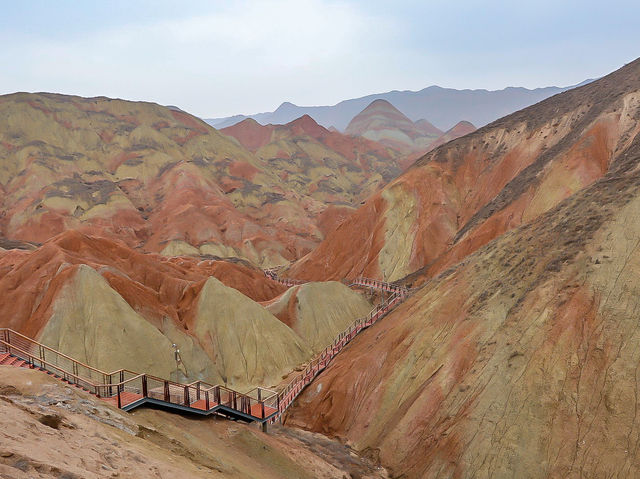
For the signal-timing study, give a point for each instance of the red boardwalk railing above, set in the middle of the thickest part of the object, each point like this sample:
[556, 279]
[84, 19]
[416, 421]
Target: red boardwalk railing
[273, 275]
[128, 389]
[295, 387]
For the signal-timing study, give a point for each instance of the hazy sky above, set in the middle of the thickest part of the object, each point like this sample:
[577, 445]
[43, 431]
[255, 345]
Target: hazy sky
[218, 58]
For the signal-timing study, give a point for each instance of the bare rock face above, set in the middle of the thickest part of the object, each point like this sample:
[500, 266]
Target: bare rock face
[93, 324]
[520, 362]
[520, 359]
[248, 345]
[471, 190]
[318, 312]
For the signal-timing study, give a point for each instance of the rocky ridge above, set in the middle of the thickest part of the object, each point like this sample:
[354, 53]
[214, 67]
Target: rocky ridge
[517, 356]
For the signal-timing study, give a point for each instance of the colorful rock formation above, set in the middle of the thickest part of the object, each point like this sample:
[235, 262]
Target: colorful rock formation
[331, 168]
[518, 357]
[384, 123]
[164, 181]
[111, 307]
[471, 190]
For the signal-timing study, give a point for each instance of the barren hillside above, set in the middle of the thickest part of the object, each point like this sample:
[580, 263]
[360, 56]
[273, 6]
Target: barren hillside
[471, 190]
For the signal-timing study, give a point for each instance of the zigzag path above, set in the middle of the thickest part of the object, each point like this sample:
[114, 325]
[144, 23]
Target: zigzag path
[128, 389]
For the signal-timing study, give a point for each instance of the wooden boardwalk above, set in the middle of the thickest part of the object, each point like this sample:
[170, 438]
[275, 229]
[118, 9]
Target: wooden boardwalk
[127, 389]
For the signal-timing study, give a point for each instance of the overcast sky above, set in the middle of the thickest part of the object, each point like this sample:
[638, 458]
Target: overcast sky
[218, 58]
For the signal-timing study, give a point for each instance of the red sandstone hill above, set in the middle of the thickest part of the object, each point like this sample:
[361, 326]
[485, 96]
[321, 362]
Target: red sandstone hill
[518, 356]
[471, 190]
[461, 128]
[329, 166]
[109, 306]
[164, 181]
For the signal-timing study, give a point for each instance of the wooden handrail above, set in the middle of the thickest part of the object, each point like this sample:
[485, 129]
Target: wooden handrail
[234, 398]
[58, 353]
[297, 384]
[34, 360]
[97, 388]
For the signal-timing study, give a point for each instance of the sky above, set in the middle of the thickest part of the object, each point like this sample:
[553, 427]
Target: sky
[220, 58]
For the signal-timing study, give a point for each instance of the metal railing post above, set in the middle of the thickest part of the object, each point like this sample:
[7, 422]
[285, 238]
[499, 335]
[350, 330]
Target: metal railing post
[166, 392]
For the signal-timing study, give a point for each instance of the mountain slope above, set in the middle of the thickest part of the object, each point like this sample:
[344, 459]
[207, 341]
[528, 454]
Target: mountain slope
[469, 191]
[329, 167]
[520, 360]
[518, 363]
[164, 181]
[443, 106]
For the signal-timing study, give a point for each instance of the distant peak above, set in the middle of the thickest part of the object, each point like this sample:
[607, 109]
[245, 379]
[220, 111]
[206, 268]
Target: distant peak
[462, 128]
[286, 106]
[247, 123]
[381, 103]
[251, 134]
[379, 108]
[427, 127]
[306, 125]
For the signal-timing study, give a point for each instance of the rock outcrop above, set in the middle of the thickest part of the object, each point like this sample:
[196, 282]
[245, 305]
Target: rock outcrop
[318, 312]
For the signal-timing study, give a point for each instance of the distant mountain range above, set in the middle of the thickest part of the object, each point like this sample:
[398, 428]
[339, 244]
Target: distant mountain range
[443, 107]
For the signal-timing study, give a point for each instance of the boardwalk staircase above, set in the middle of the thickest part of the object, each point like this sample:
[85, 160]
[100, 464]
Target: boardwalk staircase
[127, 389]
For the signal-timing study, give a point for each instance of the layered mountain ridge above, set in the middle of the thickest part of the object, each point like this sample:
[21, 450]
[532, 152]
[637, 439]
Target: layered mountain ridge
[444, 107]
[384, 123]
[517, 356]
[164, 181]
[334, 168]
[471, 190]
